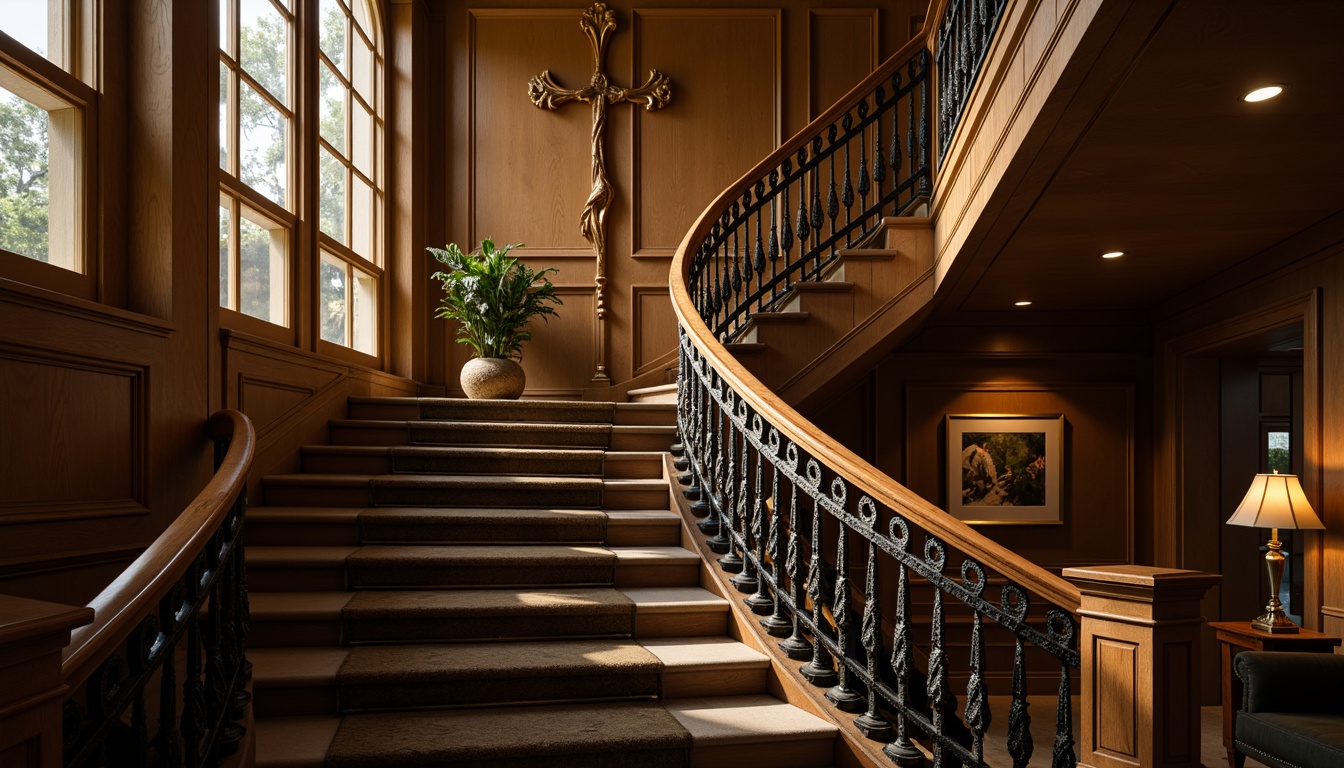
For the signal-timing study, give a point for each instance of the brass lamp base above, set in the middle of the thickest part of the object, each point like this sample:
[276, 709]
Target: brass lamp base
[1274, 620]
[1275, 623]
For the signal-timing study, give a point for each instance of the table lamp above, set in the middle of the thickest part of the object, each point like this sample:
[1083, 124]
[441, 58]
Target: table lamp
[1275, 501]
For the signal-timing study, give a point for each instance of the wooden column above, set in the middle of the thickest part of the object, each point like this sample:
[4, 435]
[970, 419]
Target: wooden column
[1140, 648]
[32, 634]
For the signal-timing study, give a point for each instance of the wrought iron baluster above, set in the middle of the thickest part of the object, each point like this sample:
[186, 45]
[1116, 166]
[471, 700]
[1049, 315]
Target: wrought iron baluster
[870, 723]
[820, 671]
[1020, 744]
[902, 750]
[794, 646]
[937, 674]
[730, 562]
[977, 713]
[817, 215]
[847, 187]
[1060, 626]
[758, 254]
[841, 694]
[747, 508]
[763, 518]
[169, 746]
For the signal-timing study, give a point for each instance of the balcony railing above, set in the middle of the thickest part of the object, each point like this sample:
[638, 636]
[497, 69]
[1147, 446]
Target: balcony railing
[964, 33]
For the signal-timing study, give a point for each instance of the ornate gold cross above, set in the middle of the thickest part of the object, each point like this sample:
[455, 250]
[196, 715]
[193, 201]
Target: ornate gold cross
[598, 23]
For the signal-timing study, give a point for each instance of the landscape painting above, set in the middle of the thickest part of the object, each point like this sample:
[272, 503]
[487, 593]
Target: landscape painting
[1004, 468]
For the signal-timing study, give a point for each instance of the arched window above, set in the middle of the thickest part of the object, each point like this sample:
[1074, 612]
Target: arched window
[270, 230]
[46, 134]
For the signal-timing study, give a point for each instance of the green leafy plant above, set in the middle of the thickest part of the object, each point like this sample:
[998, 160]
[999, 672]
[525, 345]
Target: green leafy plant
[492, 297]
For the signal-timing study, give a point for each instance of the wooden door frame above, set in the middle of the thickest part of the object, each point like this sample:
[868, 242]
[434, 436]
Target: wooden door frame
[1173, 537]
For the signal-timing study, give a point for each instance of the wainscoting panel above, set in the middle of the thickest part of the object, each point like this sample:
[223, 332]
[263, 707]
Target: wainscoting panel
[655, 325]
[57, 407]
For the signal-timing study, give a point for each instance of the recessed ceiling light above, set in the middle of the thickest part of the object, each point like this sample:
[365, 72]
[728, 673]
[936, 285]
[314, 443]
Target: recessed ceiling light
[1260, 94]
[1022, 304]
[1112, 254]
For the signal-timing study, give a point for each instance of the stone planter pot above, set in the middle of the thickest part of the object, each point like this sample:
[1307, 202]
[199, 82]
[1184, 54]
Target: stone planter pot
[493, 378]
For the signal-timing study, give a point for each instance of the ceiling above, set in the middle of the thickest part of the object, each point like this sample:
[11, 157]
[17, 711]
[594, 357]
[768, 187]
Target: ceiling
[1176, 170]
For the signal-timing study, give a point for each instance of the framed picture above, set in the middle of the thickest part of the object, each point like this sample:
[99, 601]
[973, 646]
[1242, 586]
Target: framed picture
[1005, 469]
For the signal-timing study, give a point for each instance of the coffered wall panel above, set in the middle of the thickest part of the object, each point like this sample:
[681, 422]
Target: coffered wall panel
[726, 114]
[842, 50]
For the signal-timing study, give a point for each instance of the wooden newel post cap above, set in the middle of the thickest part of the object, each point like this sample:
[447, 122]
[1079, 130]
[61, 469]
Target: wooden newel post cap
[32, 634]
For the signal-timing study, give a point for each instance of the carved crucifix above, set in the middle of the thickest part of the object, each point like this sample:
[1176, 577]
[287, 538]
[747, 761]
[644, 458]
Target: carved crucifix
[598, 23]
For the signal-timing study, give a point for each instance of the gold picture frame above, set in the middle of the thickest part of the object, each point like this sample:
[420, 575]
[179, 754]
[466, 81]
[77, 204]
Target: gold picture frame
[1005, 469]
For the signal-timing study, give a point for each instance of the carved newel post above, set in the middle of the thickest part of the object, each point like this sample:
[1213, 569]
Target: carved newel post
[1140, 649]
[32, 634]
[598, 23]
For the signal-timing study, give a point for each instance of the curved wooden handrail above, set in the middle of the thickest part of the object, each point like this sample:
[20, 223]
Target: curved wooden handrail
[137, 591]
[803, 433]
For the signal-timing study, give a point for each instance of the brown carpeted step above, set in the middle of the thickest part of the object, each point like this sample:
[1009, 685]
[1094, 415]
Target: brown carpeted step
[294, 742]
[432, 490]
[510, 433]
[470, 674]
[452, 566]
[616, 735]
[295, 569]
[503, 526]
[450, 460]
[410, 616]
[732, 731]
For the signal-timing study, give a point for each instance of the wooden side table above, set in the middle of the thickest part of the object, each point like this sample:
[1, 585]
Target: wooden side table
[1237, 636]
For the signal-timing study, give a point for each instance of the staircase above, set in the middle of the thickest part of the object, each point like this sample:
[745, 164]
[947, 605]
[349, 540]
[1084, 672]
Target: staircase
[847, 320]
[488, 583]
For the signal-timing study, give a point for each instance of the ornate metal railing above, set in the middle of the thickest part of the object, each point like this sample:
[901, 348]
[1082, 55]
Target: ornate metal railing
[831, 551]
[964, 34]
[868, 160]
[158, 678]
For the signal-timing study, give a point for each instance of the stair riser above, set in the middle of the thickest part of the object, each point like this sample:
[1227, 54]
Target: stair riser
[383, 629]
[430, 434]
[634, 498]
[659, 575]
[647, 417]
[432, 694]
[644, 535]
[275, 534]
[430, 577]
[316, 577]
[425, 495]
[682, 624]
[383, 463]
[559, 413]
[294, 633]
[619, 468]
[641, 441]
[369, 434]
[370, 533]
[291, 701]
[803, 753]
[714, 682]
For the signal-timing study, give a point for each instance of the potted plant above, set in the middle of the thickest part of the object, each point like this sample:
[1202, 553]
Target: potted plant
[492, 297]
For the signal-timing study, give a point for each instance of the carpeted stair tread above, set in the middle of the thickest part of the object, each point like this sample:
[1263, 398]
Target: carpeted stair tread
[453, 460]
[448, 524]
[420, 676]
[450, 565]
[303, 514]
[674, 599]
[517, 410]
[298, 555]
[617, 735]
[515, 433]
[478, 614]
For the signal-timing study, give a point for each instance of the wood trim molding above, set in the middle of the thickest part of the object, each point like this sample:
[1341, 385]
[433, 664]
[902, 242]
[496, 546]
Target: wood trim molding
[72, 306]
[65, 561]
[640, 366]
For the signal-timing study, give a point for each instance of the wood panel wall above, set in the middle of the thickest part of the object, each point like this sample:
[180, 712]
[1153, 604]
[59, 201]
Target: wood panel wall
[743, 79]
